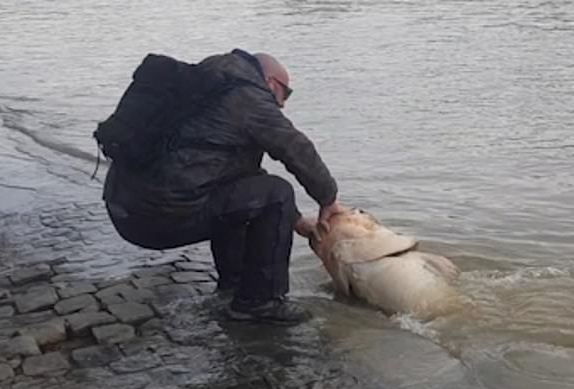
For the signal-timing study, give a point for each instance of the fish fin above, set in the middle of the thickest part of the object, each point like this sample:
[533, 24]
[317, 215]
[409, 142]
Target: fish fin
[375, 245]
[440, 265]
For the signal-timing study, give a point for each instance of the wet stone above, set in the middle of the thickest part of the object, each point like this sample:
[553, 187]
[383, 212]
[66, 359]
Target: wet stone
[138, 296]
[135, 363]
[128, 381]
[5, 297]
[131, 312]
[96, 356]
[148, 282]
[157, 344]
[68, 268]
[113, 333]
[75, 304]
[24, 382]
[154, 271]
[36, 299]
[194, 266]
[34, 318]
[79, 323]
[191, 276]
[46, 333]
[5, 282]
[44, 364]
[6, 372]
[76, 289]
[89, 375]
[152, 327]
[35, 273]
[15, 362]
[67, 277]
[7, 329]
[91, 308]
[111, 300]
[6, 311]
[19, 346]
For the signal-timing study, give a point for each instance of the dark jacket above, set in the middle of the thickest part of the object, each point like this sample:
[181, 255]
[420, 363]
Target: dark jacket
[225, 142]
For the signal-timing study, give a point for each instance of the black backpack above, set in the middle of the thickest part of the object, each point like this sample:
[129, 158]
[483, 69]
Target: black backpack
[163, 93]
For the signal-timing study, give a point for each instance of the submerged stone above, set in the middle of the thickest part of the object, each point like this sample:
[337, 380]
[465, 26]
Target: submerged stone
[46, 333]
[36, 299]
[113, 333]
[95, 356]
[6, 372]
[131, 312]
[36, 273]
[19, 346]
[77, 289]
[75, 304]
[46, 363]
[81, 322]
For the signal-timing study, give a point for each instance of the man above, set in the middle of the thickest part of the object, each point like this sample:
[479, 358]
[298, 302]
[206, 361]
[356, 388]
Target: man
[210, 185]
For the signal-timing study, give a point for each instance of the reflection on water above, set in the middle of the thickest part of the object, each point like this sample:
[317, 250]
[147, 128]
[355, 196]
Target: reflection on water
[449, 120]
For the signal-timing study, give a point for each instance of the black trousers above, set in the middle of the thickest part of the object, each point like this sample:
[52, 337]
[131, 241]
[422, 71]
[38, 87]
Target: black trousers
[249, 224]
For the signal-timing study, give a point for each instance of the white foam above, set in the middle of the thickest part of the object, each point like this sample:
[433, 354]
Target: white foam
[409, 323]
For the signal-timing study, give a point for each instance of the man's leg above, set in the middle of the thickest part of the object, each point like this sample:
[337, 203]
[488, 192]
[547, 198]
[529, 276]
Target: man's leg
[228, 250]
[265, 205]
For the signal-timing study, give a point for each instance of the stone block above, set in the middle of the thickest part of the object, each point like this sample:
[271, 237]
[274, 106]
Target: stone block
[113, 333]
[45, 364]
[131, 312]
[191, 276]
[108, 300]
[6, 311]
[95, 356]
[138, 296]
[68, 268]
[156, 344]
[36, 299]
[135, 363]
[194, 266]
[166, 294]
[152, 327]
[46, 333]
[75, 304]
[6, 372]
[66, 277]
[128, 381]
[29, 274]
[149, 282]
[153, 271]
[80, 323]
[91, 308]
[5, 282]
[76, 289]
[5, 297]
[15, 362]
[19, 346]
[26, 319]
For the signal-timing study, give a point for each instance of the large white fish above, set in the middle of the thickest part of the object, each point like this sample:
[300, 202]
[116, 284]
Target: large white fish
[369, 261]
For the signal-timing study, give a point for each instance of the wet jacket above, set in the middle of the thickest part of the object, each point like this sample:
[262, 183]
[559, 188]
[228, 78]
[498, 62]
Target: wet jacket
[225, 142]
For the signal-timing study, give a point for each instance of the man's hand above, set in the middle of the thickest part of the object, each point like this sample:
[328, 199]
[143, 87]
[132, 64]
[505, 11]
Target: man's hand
[326, 212]
[307, 227]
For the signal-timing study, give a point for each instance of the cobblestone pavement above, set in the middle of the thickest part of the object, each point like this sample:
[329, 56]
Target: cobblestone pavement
[81, 308]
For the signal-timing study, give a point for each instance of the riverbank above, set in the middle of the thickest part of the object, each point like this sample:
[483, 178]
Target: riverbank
[80, 308]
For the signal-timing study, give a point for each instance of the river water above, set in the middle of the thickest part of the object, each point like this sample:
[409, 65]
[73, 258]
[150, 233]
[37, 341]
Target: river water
[449, 120]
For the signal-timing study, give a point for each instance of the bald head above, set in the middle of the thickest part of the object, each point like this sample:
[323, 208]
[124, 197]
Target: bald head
[276, 77]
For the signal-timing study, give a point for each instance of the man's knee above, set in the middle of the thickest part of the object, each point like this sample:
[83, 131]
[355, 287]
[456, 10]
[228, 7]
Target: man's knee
[282, 189]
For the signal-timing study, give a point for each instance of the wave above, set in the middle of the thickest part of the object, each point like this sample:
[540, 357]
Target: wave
[14, 119]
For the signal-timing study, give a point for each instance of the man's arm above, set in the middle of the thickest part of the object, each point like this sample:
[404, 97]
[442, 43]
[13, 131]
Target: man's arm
[275, 134]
